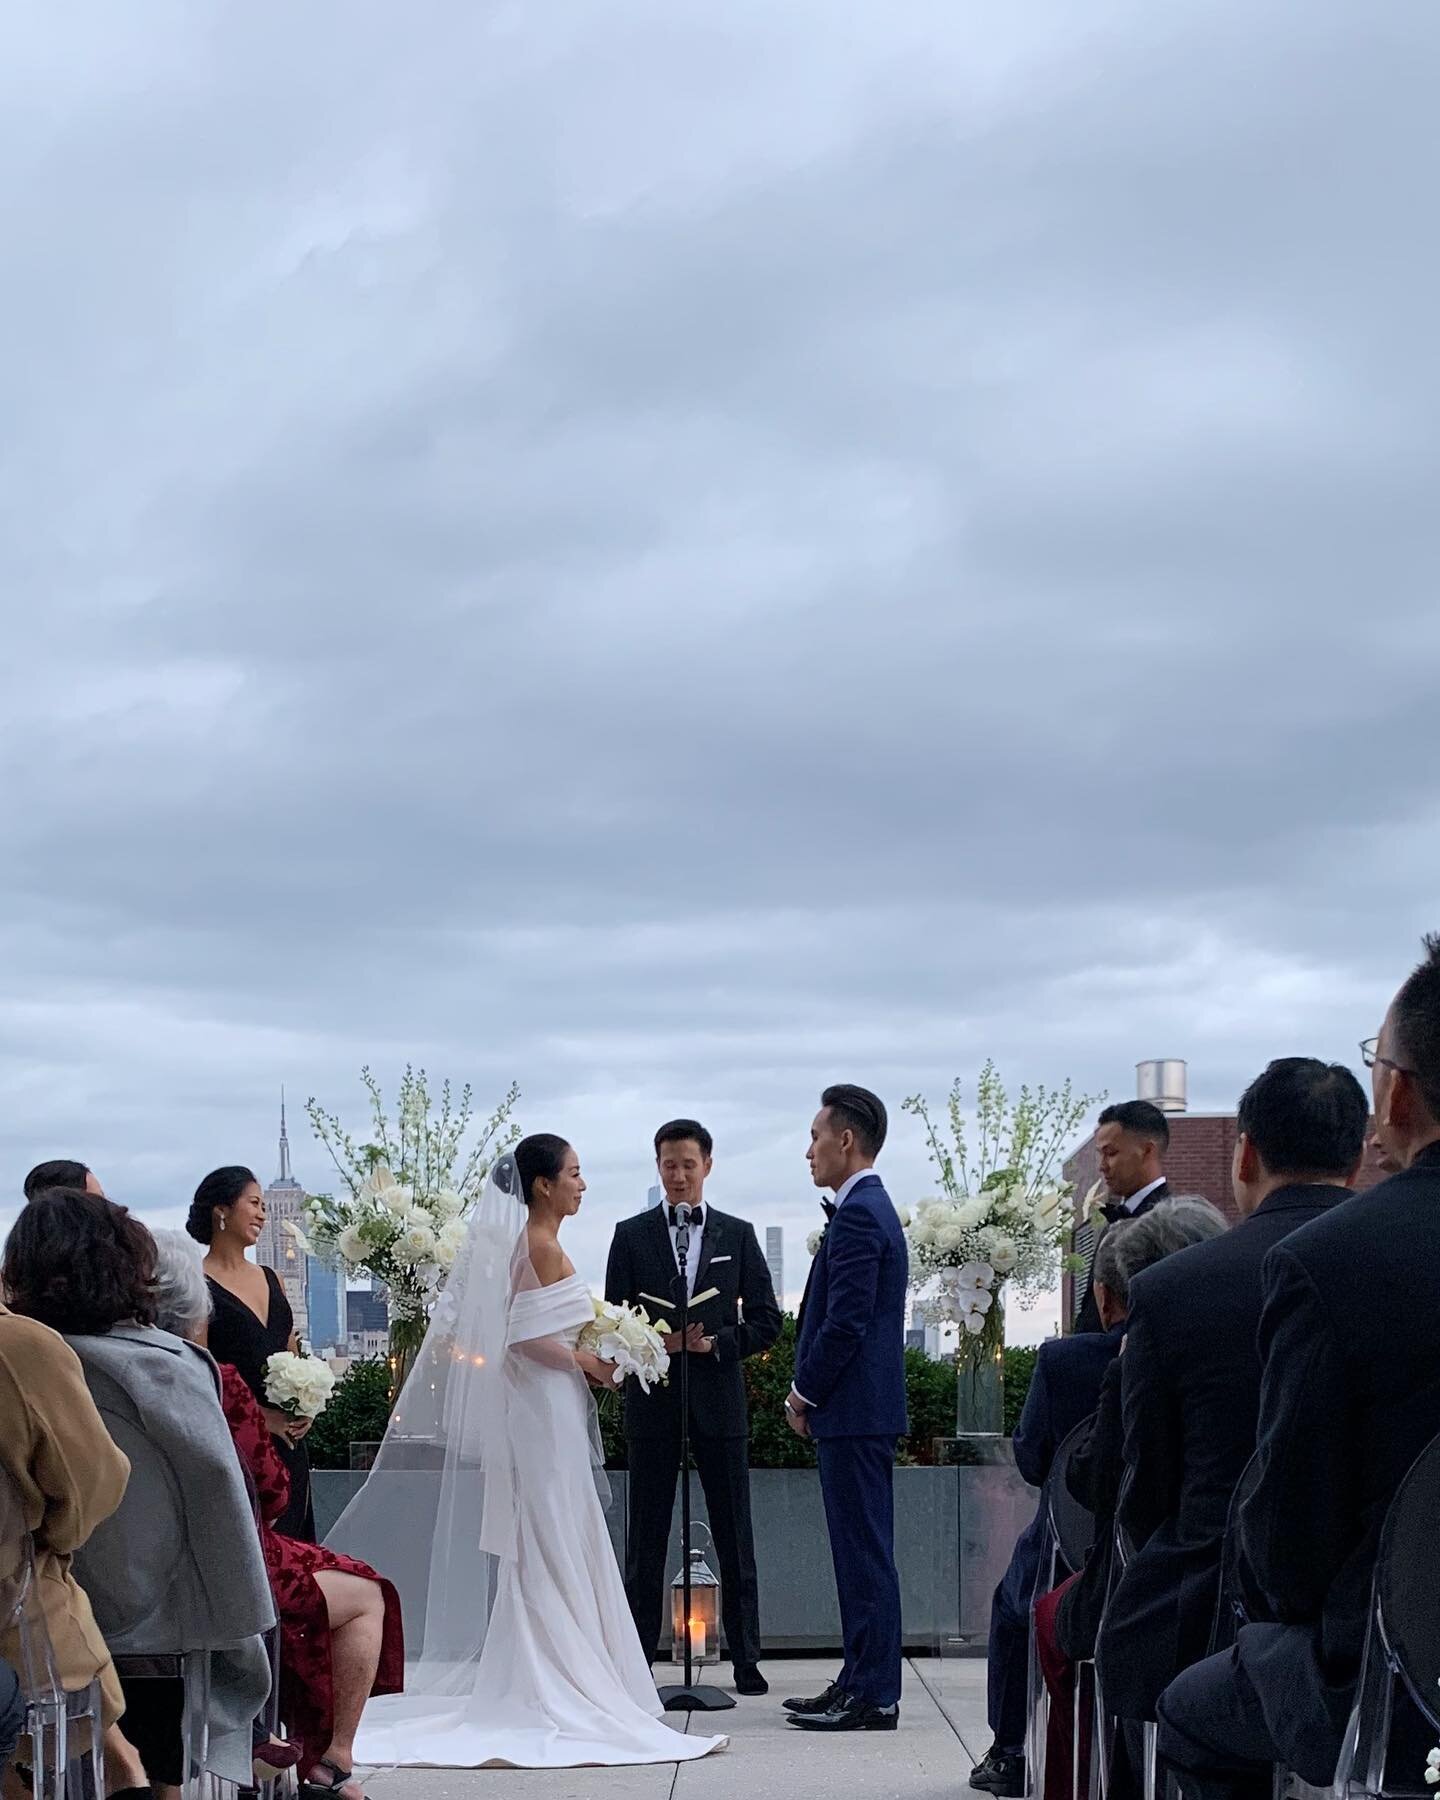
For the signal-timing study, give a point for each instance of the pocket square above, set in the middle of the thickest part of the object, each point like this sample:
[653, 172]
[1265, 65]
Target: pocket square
[720, 1259]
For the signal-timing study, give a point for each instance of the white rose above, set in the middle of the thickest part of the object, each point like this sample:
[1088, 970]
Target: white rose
[812, 1243]
[950, 1237]
[903, 1212]
[447, 1204]
[396, 1200]
[416, 1243]
[351, 1246]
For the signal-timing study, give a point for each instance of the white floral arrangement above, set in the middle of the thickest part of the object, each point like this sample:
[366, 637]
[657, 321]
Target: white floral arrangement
[299, 1386]
[623, 1335]
[401, 1219]
[962, 1251]
[1002, 1219]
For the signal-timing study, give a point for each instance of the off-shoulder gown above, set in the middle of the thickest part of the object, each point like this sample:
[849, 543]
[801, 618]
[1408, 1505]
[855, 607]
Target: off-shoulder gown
[561, 1681]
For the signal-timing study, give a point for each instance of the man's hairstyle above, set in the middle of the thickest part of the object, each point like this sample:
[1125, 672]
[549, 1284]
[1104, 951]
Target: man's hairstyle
[1305, 1116]
[78, 1263]
[58, 1174]
[1132, 1245]
[684, 1131]
[1417, 1025]
[860, 1110]
[1140, 1119]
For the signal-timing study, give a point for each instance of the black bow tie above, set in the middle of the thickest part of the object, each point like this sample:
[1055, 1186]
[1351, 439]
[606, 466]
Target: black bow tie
[697, 1218]
[1116, 1211]
[828, 1208]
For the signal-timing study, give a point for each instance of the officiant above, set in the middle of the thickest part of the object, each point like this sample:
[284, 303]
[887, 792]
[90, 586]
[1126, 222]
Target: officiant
[739, 1318]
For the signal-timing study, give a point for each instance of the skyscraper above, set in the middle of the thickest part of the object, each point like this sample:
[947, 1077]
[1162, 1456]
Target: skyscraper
[284, 1205]
[775, 1257]
[325, 1303]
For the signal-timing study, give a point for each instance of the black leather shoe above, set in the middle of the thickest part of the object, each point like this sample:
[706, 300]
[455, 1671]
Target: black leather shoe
[749, 1680]
[1000, 1775]
[848, 1714]
[821, 1703]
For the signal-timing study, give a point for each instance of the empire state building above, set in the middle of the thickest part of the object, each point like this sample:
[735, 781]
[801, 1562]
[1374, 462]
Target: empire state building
[276, 1247]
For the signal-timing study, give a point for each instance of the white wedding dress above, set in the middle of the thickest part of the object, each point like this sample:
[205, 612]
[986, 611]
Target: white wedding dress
[559, 1680]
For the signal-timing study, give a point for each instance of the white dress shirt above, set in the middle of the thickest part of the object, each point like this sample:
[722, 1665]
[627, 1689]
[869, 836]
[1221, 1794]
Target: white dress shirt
[1135, 1200]
[692, 1260]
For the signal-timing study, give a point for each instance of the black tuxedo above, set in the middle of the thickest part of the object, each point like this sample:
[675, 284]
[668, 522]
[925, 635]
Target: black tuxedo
[1191, 1388]
[744, 1320]
[1349, 1397]
[1088, 1317]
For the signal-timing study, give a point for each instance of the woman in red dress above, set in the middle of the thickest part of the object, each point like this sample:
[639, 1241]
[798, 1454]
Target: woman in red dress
[341, 1638]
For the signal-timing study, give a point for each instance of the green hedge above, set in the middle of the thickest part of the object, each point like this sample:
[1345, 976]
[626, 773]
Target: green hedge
[357, 1411]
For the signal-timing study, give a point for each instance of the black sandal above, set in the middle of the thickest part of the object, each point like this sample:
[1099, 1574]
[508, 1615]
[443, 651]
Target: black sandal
[325, 1790]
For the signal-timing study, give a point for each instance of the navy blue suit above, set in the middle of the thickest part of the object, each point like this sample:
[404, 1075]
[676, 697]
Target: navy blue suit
[1064, 1391]
[850, 1366]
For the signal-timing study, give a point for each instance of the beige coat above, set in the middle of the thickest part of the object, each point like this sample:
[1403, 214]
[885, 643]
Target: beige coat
[69, 1476]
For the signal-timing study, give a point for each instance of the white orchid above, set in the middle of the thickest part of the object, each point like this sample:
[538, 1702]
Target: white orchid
[812, 1243]
[624, 1336]
[298, 1235]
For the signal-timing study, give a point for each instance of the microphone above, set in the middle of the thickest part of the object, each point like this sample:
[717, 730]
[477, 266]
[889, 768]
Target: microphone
[682, 1232]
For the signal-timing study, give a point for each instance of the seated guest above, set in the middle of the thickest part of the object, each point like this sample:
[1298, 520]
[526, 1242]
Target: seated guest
[341, 1635]
[1192, 1374]
[61, 1174]
[1064, 1391]
[67, 1476]
[1066, 1622]
[1349, 1397]
[176, 1568]
[12, 1715]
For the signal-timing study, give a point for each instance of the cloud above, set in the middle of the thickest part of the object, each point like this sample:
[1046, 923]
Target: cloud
[676, 558]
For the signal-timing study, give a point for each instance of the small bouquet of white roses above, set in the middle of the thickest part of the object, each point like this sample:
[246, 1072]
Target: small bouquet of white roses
[298, 1386]
[623, 1335]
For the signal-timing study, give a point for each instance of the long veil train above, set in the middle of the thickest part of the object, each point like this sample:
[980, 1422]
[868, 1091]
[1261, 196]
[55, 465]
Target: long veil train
[482, 1509]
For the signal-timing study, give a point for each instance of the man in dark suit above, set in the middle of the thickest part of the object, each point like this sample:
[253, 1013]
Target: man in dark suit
[743, 1319]
[1064, 1391]
[1191, 1383]
[1350, 1396]
[1131, 1139]
[849, 1395]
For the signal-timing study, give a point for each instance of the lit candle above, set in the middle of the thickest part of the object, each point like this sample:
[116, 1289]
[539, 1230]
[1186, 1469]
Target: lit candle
[697, 1639]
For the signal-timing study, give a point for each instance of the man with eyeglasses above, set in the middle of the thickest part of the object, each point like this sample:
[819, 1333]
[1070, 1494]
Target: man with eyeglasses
[1350, 1397]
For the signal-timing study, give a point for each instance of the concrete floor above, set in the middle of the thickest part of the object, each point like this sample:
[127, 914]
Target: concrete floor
[942, 1734]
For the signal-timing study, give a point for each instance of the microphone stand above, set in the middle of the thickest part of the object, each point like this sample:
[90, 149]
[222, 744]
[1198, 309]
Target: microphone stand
[688, 1697]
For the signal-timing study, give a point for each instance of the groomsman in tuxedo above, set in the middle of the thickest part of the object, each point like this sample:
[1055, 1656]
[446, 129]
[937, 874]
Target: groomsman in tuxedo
[849, 1395]
[1131, 1138]
[1191, 1381]
[1350, 1396]
[742, 1319]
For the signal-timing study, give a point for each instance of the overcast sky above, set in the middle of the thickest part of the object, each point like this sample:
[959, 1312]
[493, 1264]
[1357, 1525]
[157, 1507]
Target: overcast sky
[676, 553]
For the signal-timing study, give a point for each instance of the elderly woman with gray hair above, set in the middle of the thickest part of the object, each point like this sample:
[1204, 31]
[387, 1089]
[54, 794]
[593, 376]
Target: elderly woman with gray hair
[340, 1631]
[1068, 1620]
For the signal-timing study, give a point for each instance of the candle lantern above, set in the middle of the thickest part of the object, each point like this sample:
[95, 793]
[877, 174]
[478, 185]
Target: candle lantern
[704, 1617]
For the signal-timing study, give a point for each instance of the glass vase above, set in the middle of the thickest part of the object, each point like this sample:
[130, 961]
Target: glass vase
[980, 1379]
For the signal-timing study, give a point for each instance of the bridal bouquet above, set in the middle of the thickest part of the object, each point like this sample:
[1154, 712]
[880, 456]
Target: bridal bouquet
[299, 1386]
[1002, 1217]
[623, 1335]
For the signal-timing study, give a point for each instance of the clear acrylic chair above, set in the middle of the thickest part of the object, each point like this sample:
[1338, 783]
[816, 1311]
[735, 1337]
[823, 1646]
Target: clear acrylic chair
[65, 1727]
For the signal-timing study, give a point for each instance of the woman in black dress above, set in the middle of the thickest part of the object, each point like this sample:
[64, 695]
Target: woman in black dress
[252, 1319]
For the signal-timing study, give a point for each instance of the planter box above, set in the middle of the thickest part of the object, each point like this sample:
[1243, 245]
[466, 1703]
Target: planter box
[954, 1531]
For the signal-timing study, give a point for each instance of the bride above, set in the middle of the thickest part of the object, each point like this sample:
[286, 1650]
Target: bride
[530, 1659]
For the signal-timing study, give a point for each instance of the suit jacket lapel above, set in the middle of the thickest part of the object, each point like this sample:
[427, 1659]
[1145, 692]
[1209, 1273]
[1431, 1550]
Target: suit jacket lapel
[711, 1242]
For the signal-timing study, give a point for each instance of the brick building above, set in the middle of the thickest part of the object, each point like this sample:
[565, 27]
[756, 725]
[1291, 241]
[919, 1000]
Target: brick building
[1199, 1160]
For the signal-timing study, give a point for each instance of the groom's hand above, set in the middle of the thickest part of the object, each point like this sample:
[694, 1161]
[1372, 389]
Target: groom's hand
[796, 1415]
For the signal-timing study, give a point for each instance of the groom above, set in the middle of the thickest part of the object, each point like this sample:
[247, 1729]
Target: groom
[740, 1319]
[849, 1395]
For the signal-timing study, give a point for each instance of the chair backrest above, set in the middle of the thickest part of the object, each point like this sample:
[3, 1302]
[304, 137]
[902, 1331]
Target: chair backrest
[1230, 1612]
[1407, 1582]
[1072, 1523]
